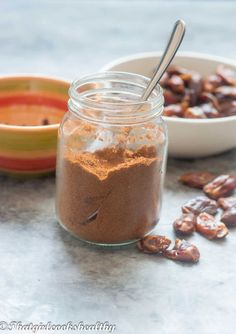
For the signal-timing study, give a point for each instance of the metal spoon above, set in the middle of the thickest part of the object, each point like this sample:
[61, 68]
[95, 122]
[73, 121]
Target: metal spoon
[168, 55]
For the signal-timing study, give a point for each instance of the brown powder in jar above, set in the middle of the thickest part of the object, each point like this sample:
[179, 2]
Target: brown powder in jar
[111, 195]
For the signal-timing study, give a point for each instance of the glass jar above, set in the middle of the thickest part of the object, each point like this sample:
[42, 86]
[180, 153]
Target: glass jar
[111, 159]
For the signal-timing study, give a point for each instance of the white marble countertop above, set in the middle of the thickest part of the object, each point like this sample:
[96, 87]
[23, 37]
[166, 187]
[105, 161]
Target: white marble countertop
[47, 275]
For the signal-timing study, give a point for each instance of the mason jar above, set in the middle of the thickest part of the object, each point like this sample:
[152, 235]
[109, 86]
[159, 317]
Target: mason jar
[111, 159]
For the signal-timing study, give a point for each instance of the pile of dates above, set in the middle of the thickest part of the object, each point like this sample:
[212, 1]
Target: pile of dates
[210, 215]
[189, 95]
[213, 213]
[157, 244]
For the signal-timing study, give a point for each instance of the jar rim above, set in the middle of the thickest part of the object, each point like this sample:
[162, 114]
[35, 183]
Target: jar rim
[81, 88]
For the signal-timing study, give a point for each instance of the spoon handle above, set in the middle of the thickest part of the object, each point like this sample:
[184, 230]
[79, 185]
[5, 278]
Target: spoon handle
[169, 53]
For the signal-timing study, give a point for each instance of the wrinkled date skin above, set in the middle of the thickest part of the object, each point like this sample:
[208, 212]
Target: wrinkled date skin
[221, 186]
[229, 217]
[200, 204]
[227, 202]
[185, 224]
[152, 244]
[196, 179]
[183, 251]
[210, 228]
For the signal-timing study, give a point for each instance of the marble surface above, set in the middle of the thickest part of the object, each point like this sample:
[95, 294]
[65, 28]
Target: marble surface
[47, 275]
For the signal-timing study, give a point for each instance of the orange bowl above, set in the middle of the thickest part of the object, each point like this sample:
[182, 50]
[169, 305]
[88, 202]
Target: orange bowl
[31, 109]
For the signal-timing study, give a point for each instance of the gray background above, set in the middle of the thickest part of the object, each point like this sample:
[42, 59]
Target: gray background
[46, 275]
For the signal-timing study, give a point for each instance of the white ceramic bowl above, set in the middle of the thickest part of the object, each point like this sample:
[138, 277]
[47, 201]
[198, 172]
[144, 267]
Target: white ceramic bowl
[188, 138]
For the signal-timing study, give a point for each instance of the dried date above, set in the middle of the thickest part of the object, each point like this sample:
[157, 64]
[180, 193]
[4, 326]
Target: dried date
[221, 186]
[225, 92]
[194, 112]
[196, 179]
[187, 100]
[176, 84]
[227, 75]
[227, 202]
[209, 110]
[228, 108]
[183, 251]
[173, 110]
[200, 204]
[229, 217]
[185, 224]
[177, 70]
[170, 97]
[153, 244]
[206, 97]
[212, 82]
[195, 84]
[209, 227]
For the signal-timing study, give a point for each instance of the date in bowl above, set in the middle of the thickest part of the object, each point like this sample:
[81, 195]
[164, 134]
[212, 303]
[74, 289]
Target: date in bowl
[188, 137]
[31, 108]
